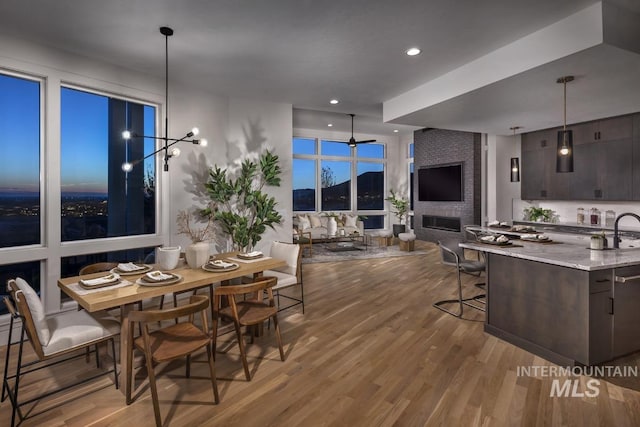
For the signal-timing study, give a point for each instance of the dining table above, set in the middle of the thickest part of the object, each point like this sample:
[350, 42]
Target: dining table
[131, 289]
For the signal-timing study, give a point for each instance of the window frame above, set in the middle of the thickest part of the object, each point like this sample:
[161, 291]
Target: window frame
[353, 159]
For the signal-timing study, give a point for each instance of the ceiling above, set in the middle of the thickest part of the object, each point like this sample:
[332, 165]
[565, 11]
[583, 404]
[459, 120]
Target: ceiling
[307, 52]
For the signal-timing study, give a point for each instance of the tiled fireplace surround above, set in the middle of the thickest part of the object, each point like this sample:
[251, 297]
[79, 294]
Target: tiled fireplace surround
[439, 146]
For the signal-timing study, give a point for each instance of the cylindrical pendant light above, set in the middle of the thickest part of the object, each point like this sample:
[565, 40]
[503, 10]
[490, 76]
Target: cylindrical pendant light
[564, 155]
[515, 162]
[515, 169]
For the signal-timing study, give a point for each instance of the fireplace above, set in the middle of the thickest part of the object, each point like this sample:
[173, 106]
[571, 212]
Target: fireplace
[446, 223]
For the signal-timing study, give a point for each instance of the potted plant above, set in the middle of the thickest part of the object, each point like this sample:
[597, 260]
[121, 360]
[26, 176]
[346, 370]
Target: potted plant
[400, 207]
[197, 253]
[537, 214]
[239, 205]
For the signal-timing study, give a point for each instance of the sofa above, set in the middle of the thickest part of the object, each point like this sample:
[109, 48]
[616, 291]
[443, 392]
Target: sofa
[316, 224]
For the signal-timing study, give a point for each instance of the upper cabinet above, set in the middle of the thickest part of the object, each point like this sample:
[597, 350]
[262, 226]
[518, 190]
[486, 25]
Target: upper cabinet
[603, 161]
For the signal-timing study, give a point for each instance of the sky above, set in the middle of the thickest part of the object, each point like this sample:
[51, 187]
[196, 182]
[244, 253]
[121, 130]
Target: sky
[84, 137]
[304, 174]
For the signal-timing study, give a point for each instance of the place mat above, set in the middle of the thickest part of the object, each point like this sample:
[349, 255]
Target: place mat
[145, 268]
[78, 289]
[207, 267]
[500, 245]
[175, 279]
[249, 260]
[548, 241]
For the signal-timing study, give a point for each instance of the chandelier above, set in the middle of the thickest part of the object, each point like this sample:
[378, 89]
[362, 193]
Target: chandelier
[168, 148]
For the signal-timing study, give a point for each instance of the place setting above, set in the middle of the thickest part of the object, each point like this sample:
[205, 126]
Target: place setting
[131, 269]
[158, 278]
[220, 266]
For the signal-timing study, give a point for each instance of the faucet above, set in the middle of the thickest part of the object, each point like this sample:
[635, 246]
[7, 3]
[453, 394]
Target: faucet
[616, 239]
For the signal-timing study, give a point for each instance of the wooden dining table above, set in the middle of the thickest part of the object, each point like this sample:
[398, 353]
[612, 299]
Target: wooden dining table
[124, 296]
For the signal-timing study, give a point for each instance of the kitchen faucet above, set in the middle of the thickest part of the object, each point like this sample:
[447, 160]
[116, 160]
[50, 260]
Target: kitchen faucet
[616, 239]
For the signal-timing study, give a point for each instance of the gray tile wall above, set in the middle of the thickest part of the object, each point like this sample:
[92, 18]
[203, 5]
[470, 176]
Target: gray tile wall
[438, 146]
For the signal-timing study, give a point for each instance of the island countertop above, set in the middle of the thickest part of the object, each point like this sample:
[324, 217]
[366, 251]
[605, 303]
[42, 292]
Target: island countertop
[570, 255]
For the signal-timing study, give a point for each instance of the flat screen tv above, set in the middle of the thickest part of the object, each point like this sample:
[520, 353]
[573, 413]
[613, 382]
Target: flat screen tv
[441, 183]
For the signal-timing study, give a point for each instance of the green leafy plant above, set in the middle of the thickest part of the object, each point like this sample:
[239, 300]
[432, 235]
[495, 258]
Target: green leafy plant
[400, 206]
[538, 214]
[240, 206]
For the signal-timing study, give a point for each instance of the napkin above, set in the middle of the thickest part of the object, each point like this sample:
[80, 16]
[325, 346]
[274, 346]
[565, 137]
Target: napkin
[111, 278]
[220, 264]
[157, 276]
[129, 266]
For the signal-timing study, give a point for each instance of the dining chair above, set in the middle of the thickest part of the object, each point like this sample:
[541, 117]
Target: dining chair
[247, 312]
[288, 276]
[54, 340]
[173, 342]
[452, 254]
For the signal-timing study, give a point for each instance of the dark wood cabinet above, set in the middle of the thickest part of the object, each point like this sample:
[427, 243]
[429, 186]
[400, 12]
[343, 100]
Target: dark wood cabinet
[604, 153]
[635, 187]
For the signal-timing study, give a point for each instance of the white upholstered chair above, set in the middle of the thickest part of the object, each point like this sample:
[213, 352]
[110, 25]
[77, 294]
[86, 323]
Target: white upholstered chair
[288, 276]
[50, 338]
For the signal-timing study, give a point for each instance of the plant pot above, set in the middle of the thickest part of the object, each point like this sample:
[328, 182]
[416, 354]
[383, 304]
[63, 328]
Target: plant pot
[197, 254]
[398, 228]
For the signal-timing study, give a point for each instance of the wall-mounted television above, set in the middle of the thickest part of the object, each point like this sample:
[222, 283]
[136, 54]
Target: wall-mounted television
[441, 183]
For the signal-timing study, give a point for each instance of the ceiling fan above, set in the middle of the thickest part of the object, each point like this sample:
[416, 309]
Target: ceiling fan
[352, 141]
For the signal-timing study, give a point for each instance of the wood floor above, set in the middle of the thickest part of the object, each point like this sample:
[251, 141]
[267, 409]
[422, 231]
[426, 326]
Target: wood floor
[370, 351]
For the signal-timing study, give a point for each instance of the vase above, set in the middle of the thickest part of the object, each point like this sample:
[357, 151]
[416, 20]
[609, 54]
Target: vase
[167, 258]
[197, 254]
[332, 226]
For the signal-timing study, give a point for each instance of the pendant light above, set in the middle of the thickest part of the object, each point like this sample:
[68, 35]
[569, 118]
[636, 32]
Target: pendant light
[168, 143]
[564, 156]
[515, 161]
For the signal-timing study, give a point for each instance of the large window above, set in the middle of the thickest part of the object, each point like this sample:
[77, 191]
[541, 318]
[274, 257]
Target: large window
[98, 199]
[20, 213]
[350, 179]
[304, 175]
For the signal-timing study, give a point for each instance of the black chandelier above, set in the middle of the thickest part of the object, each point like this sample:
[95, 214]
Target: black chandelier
[168, 142]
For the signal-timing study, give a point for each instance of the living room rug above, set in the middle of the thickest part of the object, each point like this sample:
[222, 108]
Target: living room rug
[322, 254]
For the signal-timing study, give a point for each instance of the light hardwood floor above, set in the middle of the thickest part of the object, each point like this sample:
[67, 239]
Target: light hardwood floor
[370, 351]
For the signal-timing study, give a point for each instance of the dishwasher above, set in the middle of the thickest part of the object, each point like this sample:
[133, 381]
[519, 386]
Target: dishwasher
[626, 310]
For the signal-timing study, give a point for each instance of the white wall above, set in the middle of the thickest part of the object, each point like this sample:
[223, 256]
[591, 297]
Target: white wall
[500, 190]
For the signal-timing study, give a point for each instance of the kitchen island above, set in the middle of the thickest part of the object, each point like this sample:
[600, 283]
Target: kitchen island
[562, 301]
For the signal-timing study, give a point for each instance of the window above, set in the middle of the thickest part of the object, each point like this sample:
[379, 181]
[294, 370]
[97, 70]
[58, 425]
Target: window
[304, 175]
[350, 179]
[20, 209]
[335, 179]
[98, 199]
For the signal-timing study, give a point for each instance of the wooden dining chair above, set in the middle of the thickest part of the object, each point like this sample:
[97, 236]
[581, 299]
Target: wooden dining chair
[172, 342]
[54, 340]
[252, 310]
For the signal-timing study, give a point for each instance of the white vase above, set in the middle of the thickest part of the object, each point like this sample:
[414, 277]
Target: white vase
[167, 258]
[197, 254]
[332, 226]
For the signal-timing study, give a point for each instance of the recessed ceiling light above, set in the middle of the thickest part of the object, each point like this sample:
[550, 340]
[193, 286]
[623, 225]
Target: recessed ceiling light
[330, 125]
[395, 131]
[413, 51]
[334, 101]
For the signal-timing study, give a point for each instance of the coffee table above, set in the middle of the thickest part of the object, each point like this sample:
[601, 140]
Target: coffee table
[350, 242]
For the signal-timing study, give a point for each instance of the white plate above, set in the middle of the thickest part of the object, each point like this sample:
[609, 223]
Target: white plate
[176, 278]
[132, 273]
[220, 270]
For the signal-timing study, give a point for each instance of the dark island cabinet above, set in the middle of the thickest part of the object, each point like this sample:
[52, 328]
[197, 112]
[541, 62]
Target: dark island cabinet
[605, 152]
[635, 188]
